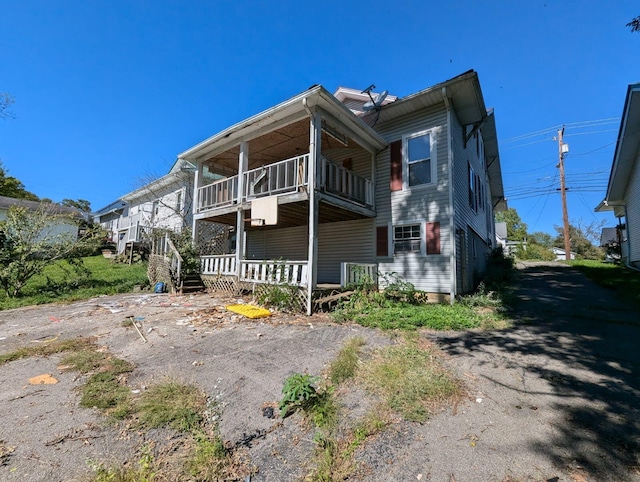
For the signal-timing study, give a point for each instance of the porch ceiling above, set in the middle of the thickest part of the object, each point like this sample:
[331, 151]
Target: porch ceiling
[283, 143]
[293, 214]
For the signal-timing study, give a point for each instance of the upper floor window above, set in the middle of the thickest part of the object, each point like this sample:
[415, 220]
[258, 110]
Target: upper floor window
[419, 164]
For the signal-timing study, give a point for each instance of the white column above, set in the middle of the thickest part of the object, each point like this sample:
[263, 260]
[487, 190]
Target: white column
[195, 202]
[314, 155]
[243, 165]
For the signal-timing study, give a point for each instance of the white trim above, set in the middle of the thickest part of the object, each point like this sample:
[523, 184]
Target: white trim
[423, 241]
[433, 160]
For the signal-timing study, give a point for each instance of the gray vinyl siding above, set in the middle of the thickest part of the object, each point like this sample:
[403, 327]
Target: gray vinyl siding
[418, 205]
[287, 243]
[352, 241]
[633, 214]
[478, 225]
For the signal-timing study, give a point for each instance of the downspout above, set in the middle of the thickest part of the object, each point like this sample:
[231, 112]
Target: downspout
[452, 224]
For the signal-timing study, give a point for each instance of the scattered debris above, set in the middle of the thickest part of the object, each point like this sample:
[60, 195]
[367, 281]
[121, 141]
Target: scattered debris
[44, 379]
[5, 452]
[268, 412]
[249, 311]
[135, 325]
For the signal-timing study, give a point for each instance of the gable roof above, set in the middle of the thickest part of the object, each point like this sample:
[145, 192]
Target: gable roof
[7, 202]
[626, 152]
[291, 108]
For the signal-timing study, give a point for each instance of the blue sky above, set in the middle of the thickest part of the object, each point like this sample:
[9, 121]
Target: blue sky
[107, 93]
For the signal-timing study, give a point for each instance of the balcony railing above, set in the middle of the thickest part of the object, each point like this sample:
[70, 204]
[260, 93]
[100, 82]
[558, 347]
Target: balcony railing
[277, 178]
[218, 194]
[285, 177]
[345, 183]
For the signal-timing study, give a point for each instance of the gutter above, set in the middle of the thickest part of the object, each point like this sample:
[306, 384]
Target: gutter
[452, 224]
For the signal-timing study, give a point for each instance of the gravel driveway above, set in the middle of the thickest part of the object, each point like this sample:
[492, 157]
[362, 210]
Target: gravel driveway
[555, 398]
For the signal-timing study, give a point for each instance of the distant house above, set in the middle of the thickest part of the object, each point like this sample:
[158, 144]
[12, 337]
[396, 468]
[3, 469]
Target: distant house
[161, 204]
[608, 237]
[324, 186]
[501, 236]
[623, 190]
[64, 219]
[561, 254]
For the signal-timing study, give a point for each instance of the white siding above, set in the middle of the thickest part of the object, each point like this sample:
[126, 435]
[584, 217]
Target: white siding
[420, 205]
[633, 214]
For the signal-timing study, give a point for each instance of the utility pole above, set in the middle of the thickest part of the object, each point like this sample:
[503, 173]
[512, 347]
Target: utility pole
[563, 193]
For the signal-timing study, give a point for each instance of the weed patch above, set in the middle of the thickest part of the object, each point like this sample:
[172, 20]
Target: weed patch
[345, 365]
[171, 404]
[48, 348]
[410, 379]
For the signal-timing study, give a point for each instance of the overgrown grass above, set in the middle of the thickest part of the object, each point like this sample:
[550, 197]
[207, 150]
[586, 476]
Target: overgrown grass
[171, 404]
[410, 379]
[406, 316]
[60, 283]
[624, 281]
[345, 364]
[47, 348]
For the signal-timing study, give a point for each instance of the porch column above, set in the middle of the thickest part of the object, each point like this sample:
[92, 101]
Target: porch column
[243, 165]
[195, 203]
[315, 134]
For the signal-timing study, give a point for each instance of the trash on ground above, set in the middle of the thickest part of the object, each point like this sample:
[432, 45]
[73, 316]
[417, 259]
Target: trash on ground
[44, 379]
[249, 311]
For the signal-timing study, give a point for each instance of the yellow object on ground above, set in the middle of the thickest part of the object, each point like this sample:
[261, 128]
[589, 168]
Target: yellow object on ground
[249, 311]
[44, 379]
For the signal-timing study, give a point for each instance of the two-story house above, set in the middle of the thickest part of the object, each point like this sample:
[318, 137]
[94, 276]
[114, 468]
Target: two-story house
[322, 186]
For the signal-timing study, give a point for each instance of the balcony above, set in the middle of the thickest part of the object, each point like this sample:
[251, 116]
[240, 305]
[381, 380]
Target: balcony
[286, 177]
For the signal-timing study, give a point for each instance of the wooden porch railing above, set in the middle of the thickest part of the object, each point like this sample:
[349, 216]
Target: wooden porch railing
[344, 183]
[218, 194]
[277, 178]
[274, 271]
[263, 271]
[219, 264]
[353, 273]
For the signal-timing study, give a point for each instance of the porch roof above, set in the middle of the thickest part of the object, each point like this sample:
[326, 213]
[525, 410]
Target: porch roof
[286, 112]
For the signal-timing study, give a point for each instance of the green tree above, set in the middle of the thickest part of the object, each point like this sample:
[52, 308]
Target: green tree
[516, 228]
[541, 239]
[32, 239]
[12, 187]
[582, 239]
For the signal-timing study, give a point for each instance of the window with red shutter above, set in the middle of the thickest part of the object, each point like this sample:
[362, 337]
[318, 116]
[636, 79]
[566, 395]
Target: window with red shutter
[382, 241]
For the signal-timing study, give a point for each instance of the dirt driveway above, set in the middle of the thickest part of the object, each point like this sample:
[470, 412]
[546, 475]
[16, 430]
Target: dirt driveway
[554, 398]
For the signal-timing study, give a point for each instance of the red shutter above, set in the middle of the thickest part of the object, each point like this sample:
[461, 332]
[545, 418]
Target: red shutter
[395, 149]
[382, 241]
[433, 238]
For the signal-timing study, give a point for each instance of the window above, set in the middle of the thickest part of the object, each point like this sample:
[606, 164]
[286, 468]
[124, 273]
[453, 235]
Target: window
[407, 239]
[179, 202]
[418, 160]
[472, 189]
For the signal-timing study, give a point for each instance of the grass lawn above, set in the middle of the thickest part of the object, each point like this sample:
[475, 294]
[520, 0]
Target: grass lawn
[624, 281]
[59, 282]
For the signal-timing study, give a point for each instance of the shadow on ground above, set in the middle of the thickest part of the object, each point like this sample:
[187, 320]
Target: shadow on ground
[578, 345]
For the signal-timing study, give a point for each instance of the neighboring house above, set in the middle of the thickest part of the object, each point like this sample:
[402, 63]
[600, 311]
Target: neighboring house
[320, 188]
[501, 237]
[608, 237]
[64, 219]
[561, 254]
[165, 203]
[623, 190]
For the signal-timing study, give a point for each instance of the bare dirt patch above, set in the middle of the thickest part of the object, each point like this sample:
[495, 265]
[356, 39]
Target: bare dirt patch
[554, 398]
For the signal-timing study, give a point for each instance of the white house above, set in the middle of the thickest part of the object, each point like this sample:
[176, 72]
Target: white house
[623, 190]
[165, 203]
[64, 219]
[322, 186]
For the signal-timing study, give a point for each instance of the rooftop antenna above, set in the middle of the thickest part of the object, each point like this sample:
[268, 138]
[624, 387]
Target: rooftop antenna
[376, 101]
